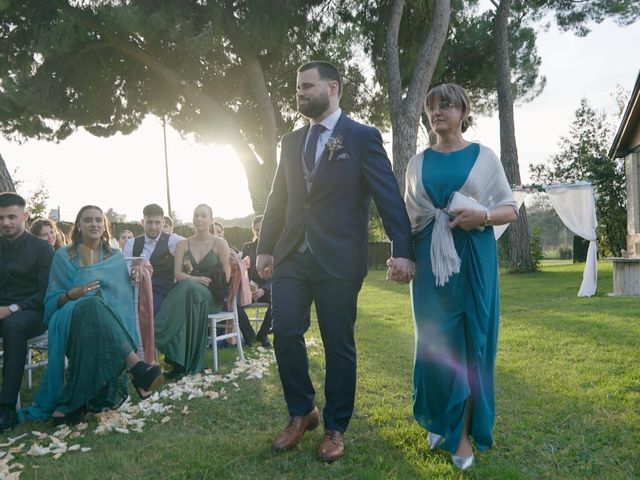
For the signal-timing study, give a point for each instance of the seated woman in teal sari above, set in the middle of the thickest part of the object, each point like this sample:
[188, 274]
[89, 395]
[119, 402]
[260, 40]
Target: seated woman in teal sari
[90, 317]
[181, 324]
[455, 288]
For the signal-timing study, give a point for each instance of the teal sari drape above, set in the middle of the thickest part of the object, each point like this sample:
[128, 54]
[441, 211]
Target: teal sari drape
[115, 295]
[456, 324]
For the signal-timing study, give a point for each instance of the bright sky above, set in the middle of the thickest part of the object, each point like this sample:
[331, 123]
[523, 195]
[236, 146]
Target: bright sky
[127, 172]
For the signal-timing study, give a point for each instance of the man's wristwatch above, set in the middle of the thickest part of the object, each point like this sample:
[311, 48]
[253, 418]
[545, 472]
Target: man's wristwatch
[487, 221]
[14, 308]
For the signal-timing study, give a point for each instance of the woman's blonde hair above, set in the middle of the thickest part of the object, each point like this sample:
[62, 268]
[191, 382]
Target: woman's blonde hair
[455, 94]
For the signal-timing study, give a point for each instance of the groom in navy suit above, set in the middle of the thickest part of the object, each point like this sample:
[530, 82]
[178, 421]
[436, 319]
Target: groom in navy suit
[313, 243]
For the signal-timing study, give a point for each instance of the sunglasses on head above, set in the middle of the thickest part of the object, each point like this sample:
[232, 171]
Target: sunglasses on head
[442, 106]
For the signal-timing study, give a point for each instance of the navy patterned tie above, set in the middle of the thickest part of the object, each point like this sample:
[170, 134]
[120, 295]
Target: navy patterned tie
[312, 146]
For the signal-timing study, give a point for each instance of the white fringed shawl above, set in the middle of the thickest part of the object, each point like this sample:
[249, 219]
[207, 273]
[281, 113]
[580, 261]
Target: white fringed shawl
[486, 183]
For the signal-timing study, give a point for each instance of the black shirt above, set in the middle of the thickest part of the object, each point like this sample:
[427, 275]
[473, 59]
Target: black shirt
[24, 271]
[249, 250]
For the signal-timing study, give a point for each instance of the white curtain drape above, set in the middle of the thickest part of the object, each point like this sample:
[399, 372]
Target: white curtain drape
[519, 196]
[576, 208]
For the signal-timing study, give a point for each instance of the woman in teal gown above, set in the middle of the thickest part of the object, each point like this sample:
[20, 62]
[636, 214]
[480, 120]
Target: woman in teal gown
[90, 318]
[455, 290]
[181, 324]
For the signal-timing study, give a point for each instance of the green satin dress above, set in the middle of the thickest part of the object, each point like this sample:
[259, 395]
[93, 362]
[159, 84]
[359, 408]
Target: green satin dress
[181, 324]
[456, 324]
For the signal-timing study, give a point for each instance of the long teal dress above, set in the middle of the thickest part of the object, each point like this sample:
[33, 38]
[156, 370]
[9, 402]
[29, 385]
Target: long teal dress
[95, 332]
[181, 324]
[456, 324]
[97, 349]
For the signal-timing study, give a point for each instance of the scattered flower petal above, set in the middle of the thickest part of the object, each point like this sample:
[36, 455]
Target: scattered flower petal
[17, 449]
[132, 417]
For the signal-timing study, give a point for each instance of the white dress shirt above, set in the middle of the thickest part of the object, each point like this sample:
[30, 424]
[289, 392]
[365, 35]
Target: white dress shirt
[149, 247]
[329, 124]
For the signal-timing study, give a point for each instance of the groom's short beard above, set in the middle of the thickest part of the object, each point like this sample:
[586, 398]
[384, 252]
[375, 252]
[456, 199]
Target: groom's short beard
[315, 106]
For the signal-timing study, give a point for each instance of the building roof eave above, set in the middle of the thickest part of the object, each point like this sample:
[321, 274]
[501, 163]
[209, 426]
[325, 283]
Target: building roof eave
[631, 112]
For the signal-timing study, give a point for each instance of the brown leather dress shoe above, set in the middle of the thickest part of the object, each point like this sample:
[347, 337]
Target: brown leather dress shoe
[332, 446]
[291, 436]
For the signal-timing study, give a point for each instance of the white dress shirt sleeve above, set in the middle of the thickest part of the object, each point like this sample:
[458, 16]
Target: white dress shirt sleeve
[127, 251]
[174, 238]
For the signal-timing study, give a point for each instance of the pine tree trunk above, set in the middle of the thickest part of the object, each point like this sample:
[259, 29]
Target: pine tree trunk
[405, 139]
[260, 176]
[518, 233]
[6, 184]
[405, 112]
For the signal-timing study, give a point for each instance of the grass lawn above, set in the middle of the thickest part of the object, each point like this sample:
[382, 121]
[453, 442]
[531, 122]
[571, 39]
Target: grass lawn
[567, 386]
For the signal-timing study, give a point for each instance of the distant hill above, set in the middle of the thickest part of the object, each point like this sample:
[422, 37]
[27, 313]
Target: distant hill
[244, 222]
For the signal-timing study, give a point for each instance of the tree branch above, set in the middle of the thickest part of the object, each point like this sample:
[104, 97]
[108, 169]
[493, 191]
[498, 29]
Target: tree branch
[428, 57]
[267, 111]
[190, 92]
[76, 57]
[393, 58]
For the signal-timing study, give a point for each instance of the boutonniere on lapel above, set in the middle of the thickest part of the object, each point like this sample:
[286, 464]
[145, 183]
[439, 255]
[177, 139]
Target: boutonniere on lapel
[333, 145]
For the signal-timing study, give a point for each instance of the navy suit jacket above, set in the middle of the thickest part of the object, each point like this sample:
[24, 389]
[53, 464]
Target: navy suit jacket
[335, 211]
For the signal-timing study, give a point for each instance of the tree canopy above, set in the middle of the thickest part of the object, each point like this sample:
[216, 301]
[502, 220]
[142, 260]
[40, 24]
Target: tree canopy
[467, 58]
[223, 71]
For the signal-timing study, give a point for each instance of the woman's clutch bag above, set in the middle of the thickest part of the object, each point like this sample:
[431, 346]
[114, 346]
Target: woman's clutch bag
[461, 201]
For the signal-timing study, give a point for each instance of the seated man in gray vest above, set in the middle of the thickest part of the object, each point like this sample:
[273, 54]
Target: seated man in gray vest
[157, 247]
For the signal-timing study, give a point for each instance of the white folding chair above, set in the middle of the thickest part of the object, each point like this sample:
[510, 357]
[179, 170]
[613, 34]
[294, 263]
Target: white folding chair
[214, 320]
[41, 344]
[136, 301]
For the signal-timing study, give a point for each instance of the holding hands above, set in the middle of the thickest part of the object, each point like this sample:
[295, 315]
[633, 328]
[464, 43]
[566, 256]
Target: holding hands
[400, 270]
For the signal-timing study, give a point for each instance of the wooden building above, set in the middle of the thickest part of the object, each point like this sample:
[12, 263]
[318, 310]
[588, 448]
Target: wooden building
[626, 144]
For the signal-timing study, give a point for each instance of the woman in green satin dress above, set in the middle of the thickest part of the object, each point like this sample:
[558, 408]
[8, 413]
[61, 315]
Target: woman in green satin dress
[181, 324]
[455, 288]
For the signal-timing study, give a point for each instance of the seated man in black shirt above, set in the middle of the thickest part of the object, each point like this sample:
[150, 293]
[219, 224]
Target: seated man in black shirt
[262, 292]
[24, 273]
